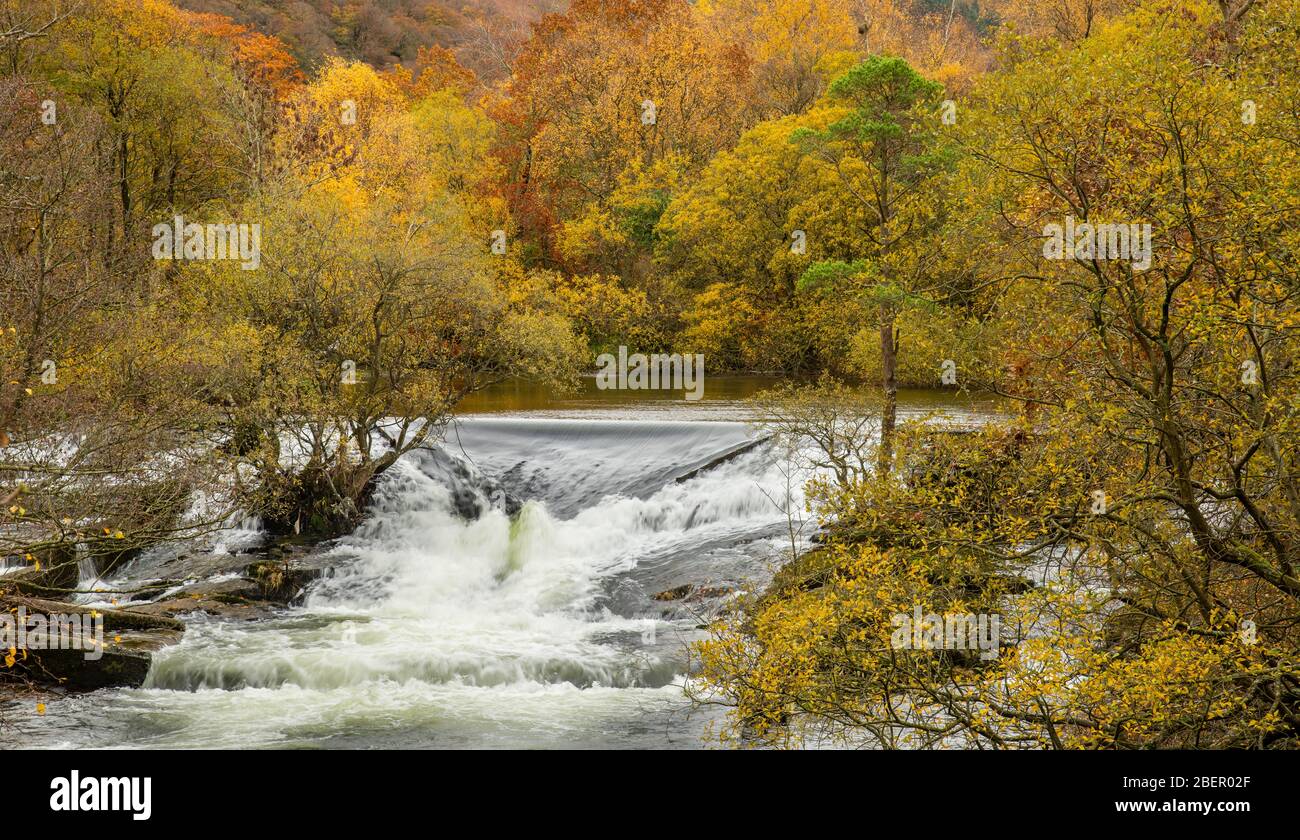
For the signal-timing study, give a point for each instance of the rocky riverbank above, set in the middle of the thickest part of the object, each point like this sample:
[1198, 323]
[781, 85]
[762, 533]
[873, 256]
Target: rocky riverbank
[118, 644]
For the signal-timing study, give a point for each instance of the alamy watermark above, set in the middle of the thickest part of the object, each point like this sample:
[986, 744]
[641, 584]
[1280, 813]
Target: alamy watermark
[74, 792]
[950, 631]
[21, 630]
[656, 371]
[193, 241]
[1086, 241]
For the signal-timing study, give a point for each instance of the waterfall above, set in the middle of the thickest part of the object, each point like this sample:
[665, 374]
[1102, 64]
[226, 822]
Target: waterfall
[87, 574]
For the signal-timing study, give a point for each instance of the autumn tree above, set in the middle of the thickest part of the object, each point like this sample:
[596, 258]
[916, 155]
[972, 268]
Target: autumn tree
[1070, 21]
[98, 454]
[792, 46]
[376, 308]
[733, 240]
[607, 97]
[1133, 524]
[883, 151]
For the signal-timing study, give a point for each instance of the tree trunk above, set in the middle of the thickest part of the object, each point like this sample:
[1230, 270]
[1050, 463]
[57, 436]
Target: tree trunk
[889, 382]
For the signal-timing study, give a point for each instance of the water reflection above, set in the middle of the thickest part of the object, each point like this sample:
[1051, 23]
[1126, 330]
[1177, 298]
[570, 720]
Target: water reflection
[725, 398]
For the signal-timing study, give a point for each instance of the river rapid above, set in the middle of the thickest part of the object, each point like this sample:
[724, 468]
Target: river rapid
[500, 593]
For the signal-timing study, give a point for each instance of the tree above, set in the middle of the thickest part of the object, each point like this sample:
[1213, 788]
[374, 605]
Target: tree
[883, 151]
[139, 66]
[376, 309]
[1133, 527]
[790, 44]
[96, 452]
[1070, 21]
[732, 237]
[603, 91]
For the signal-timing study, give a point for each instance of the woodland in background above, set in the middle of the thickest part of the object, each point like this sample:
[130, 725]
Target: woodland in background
[387, 33]
[850, 187]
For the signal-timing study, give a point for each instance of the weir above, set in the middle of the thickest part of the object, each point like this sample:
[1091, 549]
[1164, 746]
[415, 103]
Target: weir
[502, 587]
[502, 591]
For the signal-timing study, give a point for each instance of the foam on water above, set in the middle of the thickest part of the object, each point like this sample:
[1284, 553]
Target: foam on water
[449, 622]
[422, 594]
[441, 629]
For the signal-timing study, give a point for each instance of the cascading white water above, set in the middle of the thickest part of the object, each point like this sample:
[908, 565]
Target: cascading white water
[438, 628]
[87, 575]
[448, 622]
[425, 595]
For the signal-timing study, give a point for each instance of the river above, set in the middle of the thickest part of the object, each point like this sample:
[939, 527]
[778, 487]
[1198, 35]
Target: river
[448, 622]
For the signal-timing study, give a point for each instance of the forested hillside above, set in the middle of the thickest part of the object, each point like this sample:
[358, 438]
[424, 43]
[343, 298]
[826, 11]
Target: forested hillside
[387, 32]
[483, 33]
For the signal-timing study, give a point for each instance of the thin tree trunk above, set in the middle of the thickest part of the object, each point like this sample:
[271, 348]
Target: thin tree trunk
[889, 382]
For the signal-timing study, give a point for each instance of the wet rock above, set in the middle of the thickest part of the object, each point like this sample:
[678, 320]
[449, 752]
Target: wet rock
[239, 599]
[122, 664]
[692, 592]
[281, 580]
[122, 653]
[237, 586]
[673, 594]
[115, 620]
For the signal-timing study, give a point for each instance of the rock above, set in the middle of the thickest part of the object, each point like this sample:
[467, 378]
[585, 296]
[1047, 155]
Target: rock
[129, 640]
[122, 664]
[238, 598]
[134, 631]
[692, 592]
[469, 489]
[218, 605]
[281, 580]
[114, 620]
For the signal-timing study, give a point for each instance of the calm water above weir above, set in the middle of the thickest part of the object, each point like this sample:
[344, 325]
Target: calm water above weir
[724, 398]
[540, 629]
